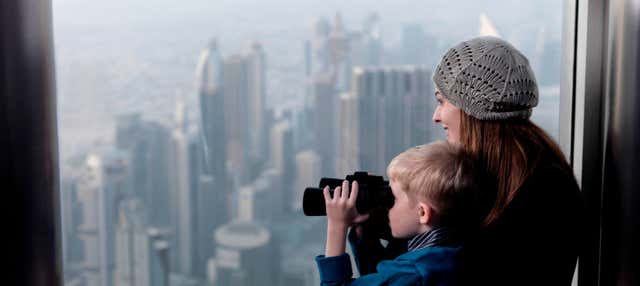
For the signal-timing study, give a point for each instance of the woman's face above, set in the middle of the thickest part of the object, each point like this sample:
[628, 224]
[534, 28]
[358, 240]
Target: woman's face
[447, 115]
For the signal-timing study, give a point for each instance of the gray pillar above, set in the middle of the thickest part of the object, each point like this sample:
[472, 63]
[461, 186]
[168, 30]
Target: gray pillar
[620, 251]
[28, 144]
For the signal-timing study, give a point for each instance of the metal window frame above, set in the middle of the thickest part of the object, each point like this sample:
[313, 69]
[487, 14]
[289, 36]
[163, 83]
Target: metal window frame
[28, 143]
[583, 119]
[583, 122]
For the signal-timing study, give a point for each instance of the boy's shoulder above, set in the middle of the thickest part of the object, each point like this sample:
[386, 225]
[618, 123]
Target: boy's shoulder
[429, 262]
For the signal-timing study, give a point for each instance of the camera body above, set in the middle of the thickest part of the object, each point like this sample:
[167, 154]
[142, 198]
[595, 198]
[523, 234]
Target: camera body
[373, 193]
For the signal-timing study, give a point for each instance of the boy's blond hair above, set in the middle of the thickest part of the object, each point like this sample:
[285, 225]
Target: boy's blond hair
[440, 174]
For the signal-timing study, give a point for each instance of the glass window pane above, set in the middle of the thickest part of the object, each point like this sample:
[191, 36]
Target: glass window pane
[189, 131]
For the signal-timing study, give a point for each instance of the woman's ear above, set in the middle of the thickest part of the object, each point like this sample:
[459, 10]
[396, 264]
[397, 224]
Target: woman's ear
[425, 213]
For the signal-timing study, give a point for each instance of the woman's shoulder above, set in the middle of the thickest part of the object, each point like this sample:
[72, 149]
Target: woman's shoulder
[550, 190]
[551, 173]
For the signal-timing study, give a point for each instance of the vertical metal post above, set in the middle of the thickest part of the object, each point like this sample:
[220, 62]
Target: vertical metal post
[28, 144]
[588, 116]
[620, 254]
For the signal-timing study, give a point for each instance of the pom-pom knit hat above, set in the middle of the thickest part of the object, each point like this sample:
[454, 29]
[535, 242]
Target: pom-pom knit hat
[488, 79]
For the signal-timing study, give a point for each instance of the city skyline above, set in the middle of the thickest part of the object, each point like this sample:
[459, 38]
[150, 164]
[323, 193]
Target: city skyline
[104, 64]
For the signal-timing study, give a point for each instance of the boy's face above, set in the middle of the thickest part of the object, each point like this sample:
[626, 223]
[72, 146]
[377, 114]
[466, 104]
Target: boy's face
[404, 217]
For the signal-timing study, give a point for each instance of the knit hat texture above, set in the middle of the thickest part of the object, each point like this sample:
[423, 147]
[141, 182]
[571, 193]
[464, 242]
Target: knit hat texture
[488, 79]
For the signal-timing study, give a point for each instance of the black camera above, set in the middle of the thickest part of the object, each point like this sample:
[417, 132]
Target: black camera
[373, 193]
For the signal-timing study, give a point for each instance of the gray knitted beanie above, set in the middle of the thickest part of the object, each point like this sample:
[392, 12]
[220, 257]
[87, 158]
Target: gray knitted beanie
[488, 79]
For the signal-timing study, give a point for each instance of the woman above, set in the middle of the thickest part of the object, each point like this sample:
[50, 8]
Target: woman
[486, 91]
[532, 229]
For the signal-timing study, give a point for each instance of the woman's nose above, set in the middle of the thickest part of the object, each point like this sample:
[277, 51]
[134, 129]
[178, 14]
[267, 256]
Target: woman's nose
[436, 115]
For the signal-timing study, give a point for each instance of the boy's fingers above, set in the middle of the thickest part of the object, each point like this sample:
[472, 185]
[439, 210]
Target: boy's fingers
[354, 192]
[325, 193]
[337, 192]
[361, 218]
[345, 189]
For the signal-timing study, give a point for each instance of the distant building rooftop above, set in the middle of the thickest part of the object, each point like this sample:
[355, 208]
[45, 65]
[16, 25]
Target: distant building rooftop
[242, 235]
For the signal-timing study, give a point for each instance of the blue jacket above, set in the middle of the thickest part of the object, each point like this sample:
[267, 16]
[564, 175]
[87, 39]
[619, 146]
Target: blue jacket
[436, 265]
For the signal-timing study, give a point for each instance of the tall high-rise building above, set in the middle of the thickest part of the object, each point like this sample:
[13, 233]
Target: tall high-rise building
[245, 255]
[71, 217]
[236, 119]
[340, 52]
[183, 198]
[329, 57]
[370, 120]
[332, 50]
[365, 46]
[213, 207]
[208, 156]
[281, 144]
[148, 144]
[103, 183]
[348, 142]
[317, 61]
[325, 99]
[390, 109]
[283, 161]
[317, 48]
[245, 118]
[212, 116]
[141, 250]
[210, 207]
[307, 175]
[254, 57]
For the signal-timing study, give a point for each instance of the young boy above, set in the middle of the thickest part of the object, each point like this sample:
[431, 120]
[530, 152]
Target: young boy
[434, 187]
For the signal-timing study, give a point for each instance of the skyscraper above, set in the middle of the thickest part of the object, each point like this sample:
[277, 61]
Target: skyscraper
[317, 48]
[370, 119]
[236, 117]
[244, 89]
[148, 144]
[104, 182]
[183, 198]
[365, 46]
[212, 115]
[348, 141]
[282, 158]
[325, 99]
[71, 215]
[213, 207]
[256, 83]
[339, 50]
[141, 250]
[390, 109]
[307, 175]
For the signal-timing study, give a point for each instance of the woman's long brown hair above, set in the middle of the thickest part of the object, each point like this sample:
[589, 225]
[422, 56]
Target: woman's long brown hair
[511, 151]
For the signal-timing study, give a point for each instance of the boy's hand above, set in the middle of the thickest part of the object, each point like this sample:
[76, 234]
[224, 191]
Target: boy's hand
[341, 213]
[341, 209]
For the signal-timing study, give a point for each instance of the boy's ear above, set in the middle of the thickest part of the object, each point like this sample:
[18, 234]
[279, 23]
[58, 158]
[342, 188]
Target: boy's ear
[425, 213]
